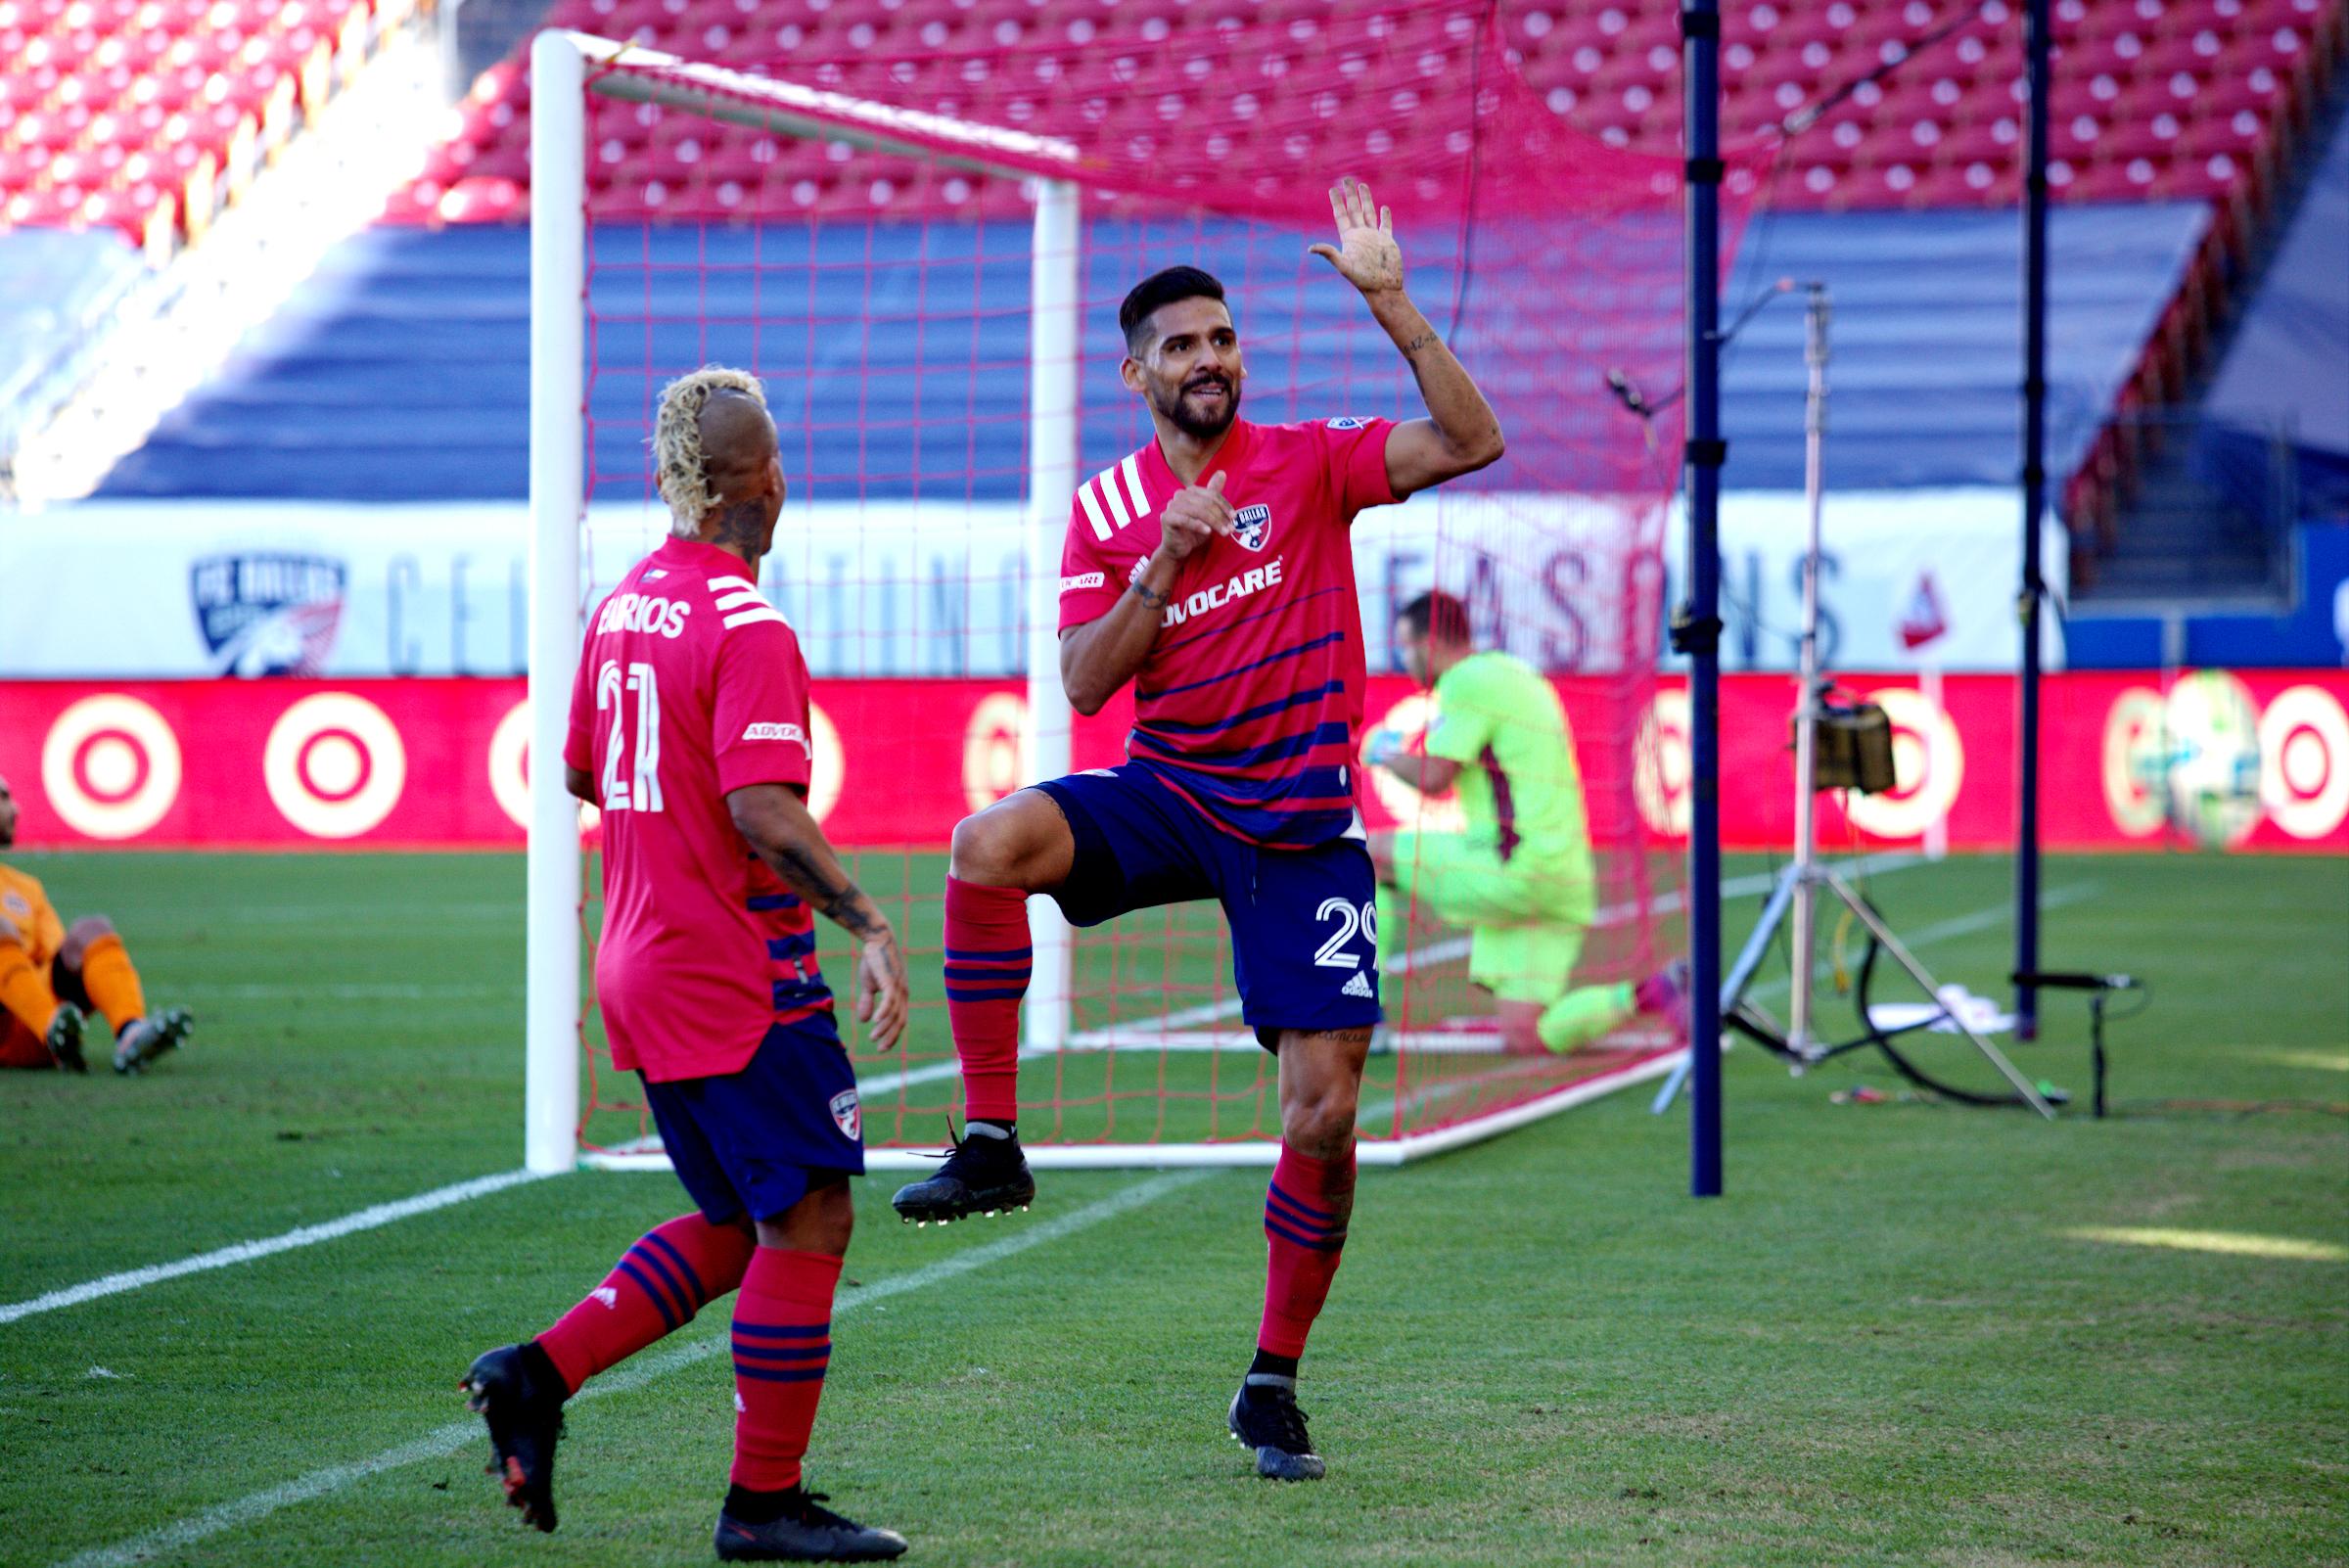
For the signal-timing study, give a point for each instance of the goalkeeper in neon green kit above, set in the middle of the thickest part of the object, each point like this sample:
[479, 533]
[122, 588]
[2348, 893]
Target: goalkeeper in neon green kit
[1521, 877]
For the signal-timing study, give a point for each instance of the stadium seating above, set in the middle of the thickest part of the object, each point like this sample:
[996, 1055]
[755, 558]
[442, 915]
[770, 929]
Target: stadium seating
[2154, 99]
[436, 324]
[142, 116]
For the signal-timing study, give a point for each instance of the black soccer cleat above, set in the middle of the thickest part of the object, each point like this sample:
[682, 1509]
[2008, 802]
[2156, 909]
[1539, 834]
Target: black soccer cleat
[144, 1039]
[63, 1039]
[981, 1176]
[805, 1532]
[1265, 1418]
[525, 1416]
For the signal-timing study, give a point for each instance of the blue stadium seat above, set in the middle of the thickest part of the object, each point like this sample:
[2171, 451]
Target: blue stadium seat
[399, 371]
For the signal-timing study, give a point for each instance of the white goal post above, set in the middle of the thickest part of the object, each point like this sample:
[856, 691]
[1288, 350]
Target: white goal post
[563, 68]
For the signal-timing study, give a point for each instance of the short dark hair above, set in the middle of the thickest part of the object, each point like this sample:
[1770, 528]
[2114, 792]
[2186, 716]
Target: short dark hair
[1437, 615]
[1163, 289]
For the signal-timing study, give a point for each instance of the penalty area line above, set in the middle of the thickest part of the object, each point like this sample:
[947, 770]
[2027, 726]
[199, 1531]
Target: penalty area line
[245, 1251]
[443, 1441]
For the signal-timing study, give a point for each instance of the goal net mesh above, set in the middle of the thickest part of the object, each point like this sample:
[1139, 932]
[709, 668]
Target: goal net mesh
[883, 299]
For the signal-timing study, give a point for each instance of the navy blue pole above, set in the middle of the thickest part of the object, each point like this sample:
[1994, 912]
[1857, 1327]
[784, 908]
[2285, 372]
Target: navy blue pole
[2035, 495]
[1696, 629]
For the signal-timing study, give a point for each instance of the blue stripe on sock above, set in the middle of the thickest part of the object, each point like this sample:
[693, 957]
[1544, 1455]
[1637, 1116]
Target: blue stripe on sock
[810, 1375]
[1317, 1216]
[1275, 1228]
[644, 1283]
[822, 1330]
[1313, 1228]
[700, 1292]
[686, 1303]
[989, 955]
[1012, 993]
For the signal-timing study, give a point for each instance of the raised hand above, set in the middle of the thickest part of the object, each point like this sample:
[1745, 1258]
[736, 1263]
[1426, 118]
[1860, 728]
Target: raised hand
[1196, 514]
[1365, 254]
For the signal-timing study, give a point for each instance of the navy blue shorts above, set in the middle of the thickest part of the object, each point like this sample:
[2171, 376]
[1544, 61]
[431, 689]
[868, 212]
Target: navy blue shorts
[753, 1141]
[1303, 922]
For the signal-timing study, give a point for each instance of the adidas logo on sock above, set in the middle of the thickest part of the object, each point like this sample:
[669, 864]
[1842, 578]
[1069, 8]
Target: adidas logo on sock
[1358, 986]
[607, 1295]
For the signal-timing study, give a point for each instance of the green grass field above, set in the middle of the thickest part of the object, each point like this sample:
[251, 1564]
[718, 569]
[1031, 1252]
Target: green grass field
[1910, 1333]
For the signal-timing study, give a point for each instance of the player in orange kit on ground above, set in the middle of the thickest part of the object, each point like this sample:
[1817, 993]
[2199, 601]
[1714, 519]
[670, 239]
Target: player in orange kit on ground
[51, 975]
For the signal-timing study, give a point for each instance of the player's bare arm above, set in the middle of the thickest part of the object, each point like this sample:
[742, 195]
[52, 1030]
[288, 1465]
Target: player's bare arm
[1101, 656]
[582, 785]
[1462, 434]
[774, 822]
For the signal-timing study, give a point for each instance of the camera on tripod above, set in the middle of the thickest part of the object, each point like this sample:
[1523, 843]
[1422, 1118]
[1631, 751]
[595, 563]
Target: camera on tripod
[1852, 749]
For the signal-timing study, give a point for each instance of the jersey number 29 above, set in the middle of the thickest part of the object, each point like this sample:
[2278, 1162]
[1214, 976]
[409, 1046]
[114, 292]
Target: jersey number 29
[640, 792]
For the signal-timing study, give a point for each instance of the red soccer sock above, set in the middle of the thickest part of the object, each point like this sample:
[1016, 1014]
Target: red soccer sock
[673, 1272]
[1305, 1211]
[782, 1345]
[988, 959]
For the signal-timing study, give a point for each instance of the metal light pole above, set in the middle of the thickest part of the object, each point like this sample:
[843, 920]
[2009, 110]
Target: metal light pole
[2035, 486]
[1696, 629]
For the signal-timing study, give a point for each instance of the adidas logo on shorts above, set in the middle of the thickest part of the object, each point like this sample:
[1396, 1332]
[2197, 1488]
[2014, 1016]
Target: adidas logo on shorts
[1358, 986]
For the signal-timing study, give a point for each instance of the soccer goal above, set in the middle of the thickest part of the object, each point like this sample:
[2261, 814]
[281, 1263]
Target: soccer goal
[930, 298]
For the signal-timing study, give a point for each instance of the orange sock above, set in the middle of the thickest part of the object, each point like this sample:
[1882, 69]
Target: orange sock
[25, 989]
[112, 984]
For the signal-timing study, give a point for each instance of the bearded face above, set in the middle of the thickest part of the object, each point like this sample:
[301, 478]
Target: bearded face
[1191, 372]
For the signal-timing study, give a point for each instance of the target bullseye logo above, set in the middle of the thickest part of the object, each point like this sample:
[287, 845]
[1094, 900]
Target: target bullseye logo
[334, 766]
[995, 749]
[2304, 747]
[1661, 769]
[110, 766]
[827, 767]
[510, 764]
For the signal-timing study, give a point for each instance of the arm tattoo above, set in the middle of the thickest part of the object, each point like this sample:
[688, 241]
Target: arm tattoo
[843, 904]
[1150, 599]
[1417, 344]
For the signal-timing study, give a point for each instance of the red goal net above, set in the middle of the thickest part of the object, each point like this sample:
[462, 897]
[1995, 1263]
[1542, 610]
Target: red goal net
[862, 233]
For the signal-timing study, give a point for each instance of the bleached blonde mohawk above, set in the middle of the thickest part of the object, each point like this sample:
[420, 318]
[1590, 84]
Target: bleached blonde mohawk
[679, 465]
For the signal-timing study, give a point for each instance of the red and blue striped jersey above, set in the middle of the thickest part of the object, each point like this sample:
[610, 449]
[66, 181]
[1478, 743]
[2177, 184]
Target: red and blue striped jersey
[1248, 701]
[691, 685]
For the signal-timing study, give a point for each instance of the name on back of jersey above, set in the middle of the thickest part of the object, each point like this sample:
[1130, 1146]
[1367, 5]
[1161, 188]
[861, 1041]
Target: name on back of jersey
[643, 611]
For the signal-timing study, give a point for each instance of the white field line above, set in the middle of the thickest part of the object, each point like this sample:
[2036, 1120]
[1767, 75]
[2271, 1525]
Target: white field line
[443, 1441]
[243, 1252]
[342, 991]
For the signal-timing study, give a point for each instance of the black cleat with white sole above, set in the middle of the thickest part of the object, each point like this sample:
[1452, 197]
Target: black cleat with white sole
[520, 1395]
[982, 1174]
[804, 1531]
[63, 1039]
[144, 1039]
[1266, 1419]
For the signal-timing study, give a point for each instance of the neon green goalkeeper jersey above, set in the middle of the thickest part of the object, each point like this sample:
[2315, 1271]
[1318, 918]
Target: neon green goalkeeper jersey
[1519, 787]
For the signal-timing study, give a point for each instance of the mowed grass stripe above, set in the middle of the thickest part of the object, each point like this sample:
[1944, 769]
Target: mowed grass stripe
[443, 1441]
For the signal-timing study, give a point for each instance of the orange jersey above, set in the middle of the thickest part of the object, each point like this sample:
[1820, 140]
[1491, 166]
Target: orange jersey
[25, 905]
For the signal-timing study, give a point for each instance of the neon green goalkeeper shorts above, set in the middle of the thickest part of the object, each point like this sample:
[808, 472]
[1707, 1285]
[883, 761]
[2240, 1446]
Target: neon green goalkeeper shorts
[1525, 915]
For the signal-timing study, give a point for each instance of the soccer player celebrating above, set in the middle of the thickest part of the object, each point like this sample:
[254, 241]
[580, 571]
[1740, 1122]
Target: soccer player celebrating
[689, 729]
[1214, 569]
[53, 975]
[1520, 878]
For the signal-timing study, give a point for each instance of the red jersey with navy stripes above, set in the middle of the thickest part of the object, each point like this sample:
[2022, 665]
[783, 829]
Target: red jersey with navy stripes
[692, 685]
[1248, 701]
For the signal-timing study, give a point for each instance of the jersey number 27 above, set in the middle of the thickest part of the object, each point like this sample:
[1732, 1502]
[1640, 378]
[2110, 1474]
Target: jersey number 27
[641, 791]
